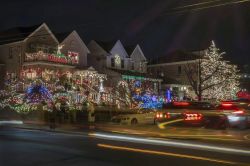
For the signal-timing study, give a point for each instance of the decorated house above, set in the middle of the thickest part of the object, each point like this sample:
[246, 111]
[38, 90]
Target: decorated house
[57, 60]
[125, 66]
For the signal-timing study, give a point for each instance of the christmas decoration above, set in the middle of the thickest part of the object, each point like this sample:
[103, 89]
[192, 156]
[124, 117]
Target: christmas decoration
[38, 93]
[123, 93]
[148, 101]
[212, 77]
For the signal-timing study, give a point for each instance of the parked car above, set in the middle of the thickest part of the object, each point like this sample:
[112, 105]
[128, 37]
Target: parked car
[137, 117]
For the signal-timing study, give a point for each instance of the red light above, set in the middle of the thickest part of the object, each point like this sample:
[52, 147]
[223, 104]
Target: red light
[167, 115]
[180, 103]
[226, 104]
[192, 116]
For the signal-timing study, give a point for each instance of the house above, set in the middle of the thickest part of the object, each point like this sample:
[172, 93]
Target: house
[122, 63]
[171, 68]
[30, 53]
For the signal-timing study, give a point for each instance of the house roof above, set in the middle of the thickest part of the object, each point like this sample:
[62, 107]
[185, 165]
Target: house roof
[106, 45]
[16, 34]
[176, 56]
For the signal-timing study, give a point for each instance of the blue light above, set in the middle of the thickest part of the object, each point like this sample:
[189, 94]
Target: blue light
[148, 101]
[37, 94]
[168, 95]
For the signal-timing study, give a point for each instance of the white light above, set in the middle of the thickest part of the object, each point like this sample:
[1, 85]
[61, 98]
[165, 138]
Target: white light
[171, 143]
[11, 122]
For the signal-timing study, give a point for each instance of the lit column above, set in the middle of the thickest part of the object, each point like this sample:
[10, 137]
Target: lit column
[101, 89]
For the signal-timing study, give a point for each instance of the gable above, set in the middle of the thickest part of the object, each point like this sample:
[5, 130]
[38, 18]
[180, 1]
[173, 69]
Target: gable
[137, 55]
[119, 50]
[73, 41]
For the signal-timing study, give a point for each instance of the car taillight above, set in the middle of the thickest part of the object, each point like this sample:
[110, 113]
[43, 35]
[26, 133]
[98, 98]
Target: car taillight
[226, 104]
[162, 115]
[239, 112]
[192, 116]
[180, 103]
[167, 115]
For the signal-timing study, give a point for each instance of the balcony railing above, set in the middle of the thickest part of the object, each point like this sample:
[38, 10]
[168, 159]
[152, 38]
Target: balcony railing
[71, 59]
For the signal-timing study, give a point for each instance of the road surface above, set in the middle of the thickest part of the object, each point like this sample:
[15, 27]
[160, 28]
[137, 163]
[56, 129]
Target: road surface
[24, 147]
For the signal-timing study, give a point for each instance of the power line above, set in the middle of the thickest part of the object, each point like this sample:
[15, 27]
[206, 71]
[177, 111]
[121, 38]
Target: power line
[196, 4]
[200, 6]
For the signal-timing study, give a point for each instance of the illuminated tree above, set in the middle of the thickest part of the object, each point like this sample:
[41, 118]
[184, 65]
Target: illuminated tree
[122, 92]
[212, 77]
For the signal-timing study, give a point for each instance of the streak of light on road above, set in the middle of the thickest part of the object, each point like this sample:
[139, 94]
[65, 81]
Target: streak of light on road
[162, 125]
[11, 122]
[180, 144]
[167, 154]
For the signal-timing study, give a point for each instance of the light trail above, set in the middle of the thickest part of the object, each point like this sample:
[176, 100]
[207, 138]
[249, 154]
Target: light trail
[171, 143]
[11, 122]
[167, 154]
[162, 125]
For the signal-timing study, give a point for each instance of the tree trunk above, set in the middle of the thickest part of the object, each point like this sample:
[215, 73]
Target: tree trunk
[199, 97]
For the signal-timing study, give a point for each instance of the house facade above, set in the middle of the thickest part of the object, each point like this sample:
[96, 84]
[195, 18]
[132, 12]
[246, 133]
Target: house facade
[35, 53]
[121, 63]
[171, 68]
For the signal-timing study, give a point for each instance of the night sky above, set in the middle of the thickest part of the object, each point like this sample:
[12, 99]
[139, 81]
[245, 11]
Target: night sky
[156, 25]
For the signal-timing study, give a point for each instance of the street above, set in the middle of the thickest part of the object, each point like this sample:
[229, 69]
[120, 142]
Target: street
[36, 147]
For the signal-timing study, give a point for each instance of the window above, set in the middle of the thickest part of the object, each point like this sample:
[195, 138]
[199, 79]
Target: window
[112, 62]
[122, 63]
[132, 66]
[179, 69]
